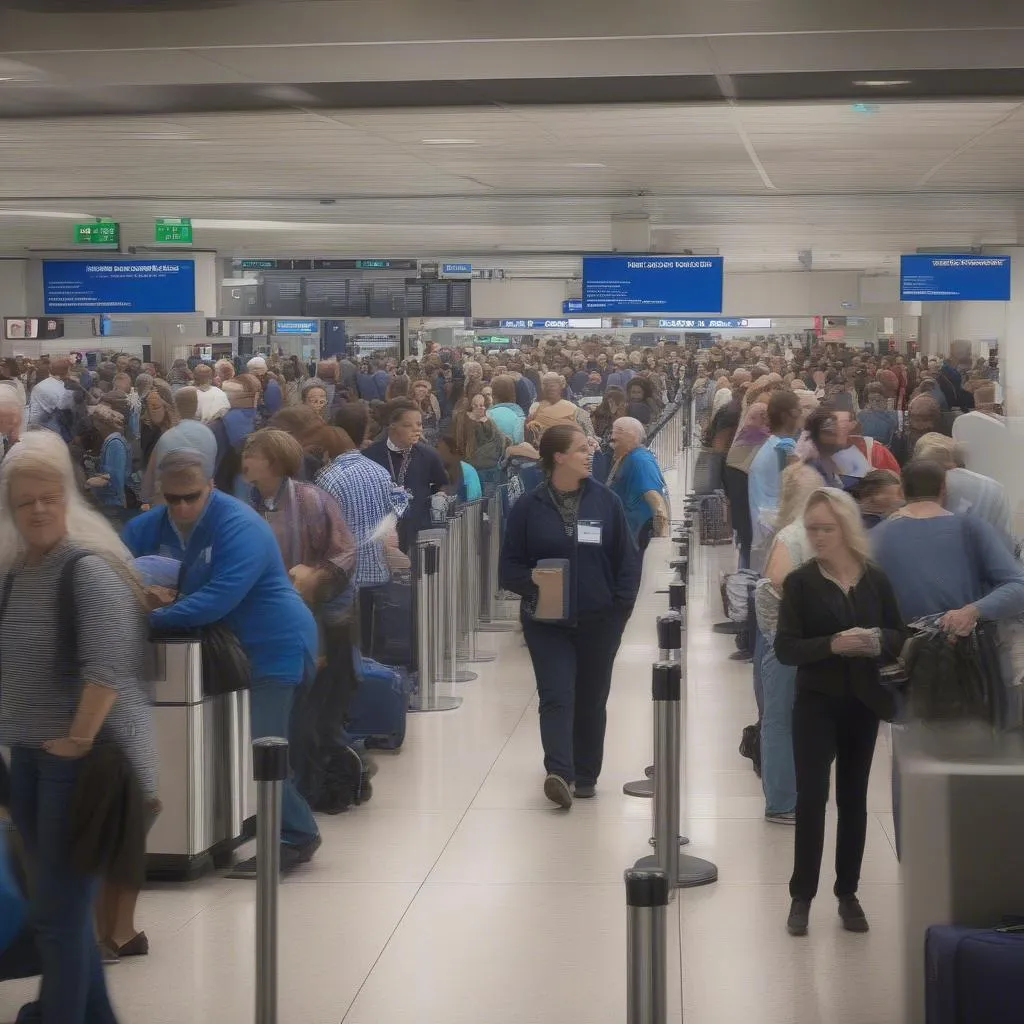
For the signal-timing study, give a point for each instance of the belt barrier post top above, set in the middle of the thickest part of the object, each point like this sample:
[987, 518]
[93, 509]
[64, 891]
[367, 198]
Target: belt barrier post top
[270, 759]
[666, 680]
[670, 632]
[646, 887]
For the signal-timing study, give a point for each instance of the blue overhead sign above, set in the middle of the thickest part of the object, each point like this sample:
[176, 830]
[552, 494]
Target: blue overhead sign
[563, 324]
[652, 284]
[926, 277]
[119, 286]
[296, 326]
[572, 306]
[722, 323]
[456, 269]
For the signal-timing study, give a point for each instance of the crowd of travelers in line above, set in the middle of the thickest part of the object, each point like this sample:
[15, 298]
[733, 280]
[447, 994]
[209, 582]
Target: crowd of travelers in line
[271, 507]
[878, 579]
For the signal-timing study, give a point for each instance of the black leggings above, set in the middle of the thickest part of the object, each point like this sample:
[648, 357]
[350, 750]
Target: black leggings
[827, 729]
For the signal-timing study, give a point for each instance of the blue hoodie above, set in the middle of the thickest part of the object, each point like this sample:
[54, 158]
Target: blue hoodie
[232, 571]
[604, 577]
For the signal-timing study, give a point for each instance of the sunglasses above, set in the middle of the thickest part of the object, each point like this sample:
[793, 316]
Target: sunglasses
[183, 499]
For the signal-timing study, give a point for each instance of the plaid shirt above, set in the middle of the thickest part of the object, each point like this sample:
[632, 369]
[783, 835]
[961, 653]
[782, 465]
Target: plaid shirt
[367, 495]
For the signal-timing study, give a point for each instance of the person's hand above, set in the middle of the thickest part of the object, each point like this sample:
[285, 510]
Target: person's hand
[158, 597]
[660, 525]
[96, 481]
[305, 579]
[70, 747]
[847, 644]
[960, 621]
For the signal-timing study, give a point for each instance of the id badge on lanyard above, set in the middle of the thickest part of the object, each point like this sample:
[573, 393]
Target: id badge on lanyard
[588, 531]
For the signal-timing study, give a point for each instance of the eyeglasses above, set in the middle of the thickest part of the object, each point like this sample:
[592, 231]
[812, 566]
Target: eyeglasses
[183, 499]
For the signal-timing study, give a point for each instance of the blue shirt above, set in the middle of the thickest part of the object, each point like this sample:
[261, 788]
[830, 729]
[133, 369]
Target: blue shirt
[367, 496]
[765, 474]
[470, 489]
[115, 461]
[940, 564]
[232, 571]
[637, 474]
[510, 419]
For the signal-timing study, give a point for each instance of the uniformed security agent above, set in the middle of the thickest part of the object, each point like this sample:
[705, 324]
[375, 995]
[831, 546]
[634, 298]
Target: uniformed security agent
[575, 604]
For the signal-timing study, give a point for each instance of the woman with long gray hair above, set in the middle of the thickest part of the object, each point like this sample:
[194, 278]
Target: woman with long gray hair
[56, 704]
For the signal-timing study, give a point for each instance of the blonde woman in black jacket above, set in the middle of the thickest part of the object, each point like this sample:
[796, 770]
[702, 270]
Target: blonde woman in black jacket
[838, 622]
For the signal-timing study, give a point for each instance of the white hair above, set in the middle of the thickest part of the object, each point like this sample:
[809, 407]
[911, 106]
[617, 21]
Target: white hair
[632, 426]
[9, 396]
[44, 452]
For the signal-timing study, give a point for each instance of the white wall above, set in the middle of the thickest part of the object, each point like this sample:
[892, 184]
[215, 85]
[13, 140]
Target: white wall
[13, 300]
[521, 297]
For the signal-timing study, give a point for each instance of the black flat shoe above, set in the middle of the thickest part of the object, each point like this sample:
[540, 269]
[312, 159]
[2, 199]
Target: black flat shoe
[852, 914]
[799, 915]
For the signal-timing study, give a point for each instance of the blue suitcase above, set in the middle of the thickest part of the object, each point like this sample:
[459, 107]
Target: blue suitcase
[376, 713]
[974, 975]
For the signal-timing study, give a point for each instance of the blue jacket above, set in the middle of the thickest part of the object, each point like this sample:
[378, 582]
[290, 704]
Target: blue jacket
[604, 578]
[232, 571]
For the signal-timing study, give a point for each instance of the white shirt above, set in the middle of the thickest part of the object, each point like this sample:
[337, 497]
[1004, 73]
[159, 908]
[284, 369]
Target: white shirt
[211, 402]
[47, 397]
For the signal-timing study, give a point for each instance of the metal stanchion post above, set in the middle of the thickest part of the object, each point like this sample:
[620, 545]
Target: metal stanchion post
[683, 870]
[646, 946]
[429, 639]
[269, 769]
[475, 573]
[490, 621]
[455, 607]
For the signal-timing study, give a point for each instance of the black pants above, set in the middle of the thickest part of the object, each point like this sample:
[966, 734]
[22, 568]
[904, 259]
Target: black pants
[827, 729]
[573, 667]
[737, 484]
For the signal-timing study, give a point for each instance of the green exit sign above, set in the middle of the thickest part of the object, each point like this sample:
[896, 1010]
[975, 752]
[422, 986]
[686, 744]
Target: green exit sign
[98, 232]
[174, 229]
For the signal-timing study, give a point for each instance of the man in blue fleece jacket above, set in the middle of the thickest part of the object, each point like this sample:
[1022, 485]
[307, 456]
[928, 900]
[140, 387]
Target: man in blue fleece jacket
[232, 572]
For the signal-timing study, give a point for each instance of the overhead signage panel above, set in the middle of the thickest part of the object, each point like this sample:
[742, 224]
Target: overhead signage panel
[572, 306]
[119, 286]
[559, 324]
[296, 326]
[642, 284]
[98, 232]
[726, 323]
[323, 264]
[173, 230]
[927, 277]
[456, 270]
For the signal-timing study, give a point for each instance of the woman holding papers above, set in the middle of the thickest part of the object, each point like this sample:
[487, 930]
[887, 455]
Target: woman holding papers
[570, 554]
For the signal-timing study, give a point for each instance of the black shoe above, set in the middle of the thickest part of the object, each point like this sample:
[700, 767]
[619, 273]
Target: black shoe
[584, 792]
[291, 858]
[741, 656]
[852, 913]
[799, 912]
[558, 791]
[306, 851]
[728, 628]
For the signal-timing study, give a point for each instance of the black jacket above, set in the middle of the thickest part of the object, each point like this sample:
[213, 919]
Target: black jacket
[814, 609]
[604, 578]
[424, 476]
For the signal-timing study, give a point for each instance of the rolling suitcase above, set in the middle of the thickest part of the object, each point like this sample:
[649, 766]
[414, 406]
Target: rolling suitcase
[715, 524]
[974, 975]
[376, 714]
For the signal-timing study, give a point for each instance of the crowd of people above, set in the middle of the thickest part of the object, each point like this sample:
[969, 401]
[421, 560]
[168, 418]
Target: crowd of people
[858, 526]
[268, 506]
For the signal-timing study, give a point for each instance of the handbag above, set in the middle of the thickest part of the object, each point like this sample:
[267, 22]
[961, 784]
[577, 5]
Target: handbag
[225, 664]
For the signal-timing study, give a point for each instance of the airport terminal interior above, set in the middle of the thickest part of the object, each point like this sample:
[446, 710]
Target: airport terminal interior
[726, 186]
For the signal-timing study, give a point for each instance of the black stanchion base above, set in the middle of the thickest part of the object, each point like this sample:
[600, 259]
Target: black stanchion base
[683, 841]
[642, 788]
[692, 870]
[649, 771]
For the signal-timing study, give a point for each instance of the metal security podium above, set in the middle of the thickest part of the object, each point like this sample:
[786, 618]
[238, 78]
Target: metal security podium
[206, 786]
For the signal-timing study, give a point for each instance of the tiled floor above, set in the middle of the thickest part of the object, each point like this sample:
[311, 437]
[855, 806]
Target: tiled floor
[458, 896]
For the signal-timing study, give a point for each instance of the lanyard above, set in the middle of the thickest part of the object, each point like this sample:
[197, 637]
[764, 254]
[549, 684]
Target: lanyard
[403, 467]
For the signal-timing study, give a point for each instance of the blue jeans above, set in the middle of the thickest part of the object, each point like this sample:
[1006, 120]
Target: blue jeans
[270, 710]
[757, 658]
[778, 776]
[73, 989]
[573, 667]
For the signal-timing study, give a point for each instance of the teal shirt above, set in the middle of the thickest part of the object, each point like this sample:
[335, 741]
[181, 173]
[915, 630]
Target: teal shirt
[471, 489]
[637, 474]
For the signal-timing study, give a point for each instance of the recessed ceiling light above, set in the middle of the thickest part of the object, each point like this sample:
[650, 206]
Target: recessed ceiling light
[449, 142]
[587, 166]
[882, 83]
